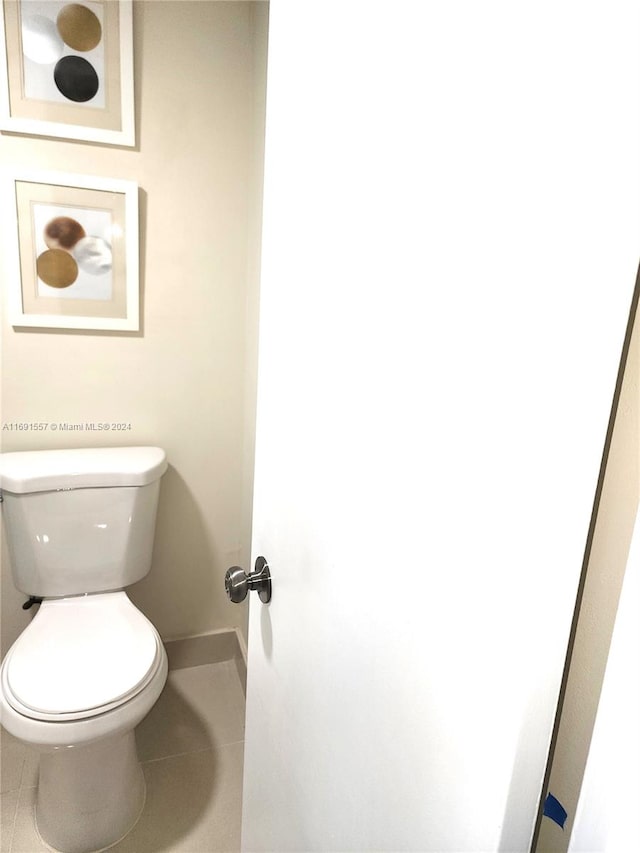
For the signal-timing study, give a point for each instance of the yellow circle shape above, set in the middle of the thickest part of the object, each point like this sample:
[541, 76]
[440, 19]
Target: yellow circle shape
[57, 268]
[79, 27]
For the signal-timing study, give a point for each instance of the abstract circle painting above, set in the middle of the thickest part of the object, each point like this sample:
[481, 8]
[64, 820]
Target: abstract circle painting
[63, 232]
[57, 268]
[76, 78]
[77, 251]
[93, 255]
[79, 27]
[52, 43]
[41, 41]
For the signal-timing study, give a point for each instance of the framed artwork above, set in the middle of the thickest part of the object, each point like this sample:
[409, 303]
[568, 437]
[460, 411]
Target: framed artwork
[74, 253]
[67, 69]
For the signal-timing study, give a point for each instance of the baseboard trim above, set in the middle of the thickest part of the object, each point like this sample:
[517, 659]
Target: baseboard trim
[215, 647]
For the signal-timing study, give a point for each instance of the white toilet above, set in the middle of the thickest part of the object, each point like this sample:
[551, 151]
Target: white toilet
[90, 666]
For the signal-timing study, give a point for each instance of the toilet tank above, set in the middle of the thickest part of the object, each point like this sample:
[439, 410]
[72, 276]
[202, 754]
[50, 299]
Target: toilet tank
[80, 521]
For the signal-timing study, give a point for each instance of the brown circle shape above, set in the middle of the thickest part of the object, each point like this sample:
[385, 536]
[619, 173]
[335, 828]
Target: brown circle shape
[57, 268]
[63, 233]
[79, 27]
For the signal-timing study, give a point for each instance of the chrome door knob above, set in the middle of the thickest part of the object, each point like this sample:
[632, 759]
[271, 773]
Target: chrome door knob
[237, 583]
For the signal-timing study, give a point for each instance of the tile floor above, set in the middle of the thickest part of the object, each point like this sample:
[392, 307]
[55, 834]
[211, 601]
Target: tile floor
[191, 749]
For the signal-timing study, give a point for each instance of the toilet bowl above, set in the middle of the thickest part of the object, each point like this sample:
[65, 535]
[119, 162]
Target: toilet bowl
[74, 688]
[90, 666]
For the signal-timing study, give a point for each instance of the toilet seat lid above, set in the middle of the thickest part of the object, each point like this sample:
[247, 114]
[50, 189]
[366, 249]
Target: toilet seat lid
[81, 656]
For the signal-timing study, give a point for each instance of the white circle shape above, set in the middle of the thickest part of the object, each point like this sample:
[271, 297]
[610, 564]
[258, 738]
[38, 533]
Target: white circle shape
[41, 41]
[93, 255]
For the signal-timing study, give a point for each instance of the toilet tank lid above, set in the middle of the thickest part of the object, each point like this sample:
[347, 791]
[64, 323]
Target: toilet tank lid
[47, 470]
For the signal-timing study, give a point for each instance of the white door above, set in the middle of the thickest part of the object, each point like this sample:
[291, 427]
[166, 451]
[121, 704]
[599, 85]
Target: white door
[449, 250]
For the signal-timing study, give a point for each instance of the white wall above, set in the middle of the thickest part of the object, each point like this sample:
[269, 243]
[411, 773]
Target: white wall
[181, 381]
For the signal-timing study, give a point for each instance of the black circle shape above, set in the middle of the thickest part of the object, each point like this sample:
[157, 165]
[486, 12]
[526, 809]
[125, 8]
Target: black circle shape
[76, 78]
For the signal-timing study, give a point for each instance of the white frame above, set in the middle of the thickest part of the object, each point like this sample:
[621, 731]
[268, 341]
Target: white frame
[17, 316]
[81, 131]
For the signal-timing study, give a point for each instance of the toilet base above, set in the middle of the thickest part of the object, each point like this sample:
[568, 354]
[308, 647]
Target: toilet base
[89, 797]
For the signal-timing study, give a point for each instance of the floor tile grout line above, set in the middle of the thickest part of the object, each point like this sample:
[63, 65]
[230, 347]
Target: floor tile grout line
[191, 752]
[18, 788]
[23, 769]
[13, 823]
[20, 774]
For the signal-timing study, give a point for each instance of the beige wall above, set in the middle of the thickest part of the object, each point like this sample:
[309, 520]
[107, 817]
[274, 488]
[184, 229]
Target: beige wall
[602, 584]
[186, 382]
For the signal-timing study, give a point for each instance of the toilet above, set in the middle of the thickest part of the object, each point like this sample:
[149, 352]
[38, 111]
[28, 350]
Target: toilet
[89, 666]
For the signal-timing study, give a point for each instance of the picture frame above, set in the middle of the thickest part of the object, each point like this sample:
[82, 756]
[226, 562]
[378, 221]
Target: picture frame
[73, 258]
[67, 69]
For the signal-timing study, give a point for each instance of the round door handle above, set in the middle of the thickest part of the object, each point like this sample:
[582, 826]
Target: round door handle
[237, 583]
